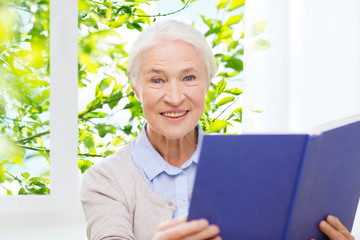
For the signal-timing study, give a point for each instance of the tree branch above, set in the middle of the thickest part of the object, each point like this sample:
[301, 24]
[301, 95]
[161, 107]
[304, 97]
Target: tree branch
[81, 115]
[14, 177]
[20, 120]
[225, 109]
[48, 150]
[34, 148]
[187, 4]
[32, 137]
[89, 155]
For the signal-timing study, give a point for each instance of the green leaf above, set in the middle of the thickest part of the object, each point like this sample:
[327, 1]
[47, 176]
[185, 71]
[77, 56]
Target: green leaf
[127, 129]
[238, 113]
[41, 191]
[224, 35]
[141, 12]
[234, 19]
[258, 28]
[236, 4]
[125, 9]
[96, 103]
[232, 45]
[37, 181]
[234, 63]
[210, 97]
[83, 165]
[134, 25]
[90, 22]
[261, 44]
[22, 191]
[225, 100]
[91, 115]
[114, 99]
[134, 106]
[221, 86]
[119, 21]
[108, 153]
[2, 174]
[104, 129]
[25, 175]
[89, 141]
[206, 21]
[2, 106]
[234, 91]
[216, 126]
[102, 86]
[222, 3]
[116, 141]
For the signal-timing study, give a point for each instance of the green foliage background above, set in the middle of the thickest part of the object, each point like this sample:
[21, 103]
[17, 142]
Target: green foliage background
[24, 79]
[24, 92]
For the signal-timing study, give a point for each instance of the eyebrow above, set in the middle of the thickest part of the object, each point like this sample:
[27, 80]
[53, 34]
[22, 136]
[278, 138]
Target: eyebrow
[190, 69]
[156, 71]
[184, 71]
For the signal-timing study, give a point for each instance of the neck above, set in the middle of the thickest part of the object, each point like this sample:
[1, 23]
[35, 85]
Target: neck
[174, 151]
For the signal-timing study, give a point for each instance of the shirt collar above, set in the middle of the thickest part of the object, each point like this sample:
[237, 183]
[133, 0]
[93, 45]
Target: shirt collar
[151, 161]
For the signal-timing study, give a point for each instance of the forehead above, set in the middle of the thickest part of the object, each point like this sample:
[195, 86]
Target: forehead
[171, 55]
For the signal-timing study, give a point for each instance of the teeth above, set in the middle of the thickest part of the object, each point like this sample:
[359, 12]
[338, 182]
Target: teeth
[174, 115]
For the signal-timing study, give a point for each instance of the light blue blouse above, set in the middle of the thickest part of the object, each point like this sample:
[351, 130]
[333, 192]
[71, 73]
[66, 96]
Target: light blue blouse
[169, 182]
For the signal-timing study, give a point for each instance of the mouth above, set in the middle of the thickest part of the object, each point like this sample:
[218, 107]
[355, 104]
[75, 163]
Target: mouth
[174, 114]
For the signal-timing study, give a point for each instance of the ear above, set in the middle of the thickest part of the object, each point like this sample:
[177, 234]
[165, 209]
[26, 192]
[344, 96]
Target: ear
[207, 86]
[134, 88]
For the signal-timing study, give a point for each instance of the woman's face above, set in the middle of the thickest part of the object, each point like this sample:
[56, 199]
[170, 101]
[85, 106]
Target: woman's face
[171, 85]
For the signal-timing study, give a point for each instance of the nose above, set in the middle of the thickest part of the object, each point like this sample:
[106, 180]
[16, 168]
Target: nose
[174, 94]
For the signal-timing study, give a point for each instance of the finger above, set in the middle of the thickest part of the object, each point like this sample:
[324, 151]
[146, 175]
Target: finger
[210, 232]
[216, 238]
[336, 224]
[331, 232]
[171, 223]
[183, 230]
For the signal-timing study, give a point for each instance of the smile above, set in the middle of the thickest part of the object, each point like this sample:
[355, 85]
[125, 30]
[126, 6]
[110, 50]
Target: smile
[174, 114]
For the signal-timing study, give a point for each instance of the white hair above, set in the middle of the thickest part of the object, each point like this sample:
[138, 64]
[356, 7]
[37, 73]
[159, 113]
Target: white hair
[169, 31]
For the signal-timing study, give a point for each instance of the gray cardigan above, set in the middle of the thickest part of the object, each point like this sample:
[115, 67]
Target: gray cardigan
[118, 204]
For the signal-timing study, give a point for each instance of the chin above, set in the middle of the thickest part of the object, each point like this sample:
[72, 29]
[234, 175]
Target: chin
[172, 133]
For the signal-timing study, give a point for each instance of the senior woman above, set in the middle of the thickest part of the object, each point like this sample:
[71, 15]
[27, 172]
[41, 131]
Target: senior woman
[144, 190]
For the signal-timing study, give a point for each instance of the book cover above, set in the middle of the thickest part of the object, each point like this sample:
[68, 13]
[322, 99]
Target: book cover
[278, 186]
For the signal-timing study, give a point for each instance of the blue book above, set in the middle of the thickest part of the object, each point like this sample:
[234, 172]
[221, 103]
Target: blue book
[279, 186]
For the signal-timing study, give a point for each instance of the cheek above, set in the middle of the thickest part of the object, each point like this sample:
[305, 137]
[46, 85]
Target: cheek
[149, 101]
[198, 98]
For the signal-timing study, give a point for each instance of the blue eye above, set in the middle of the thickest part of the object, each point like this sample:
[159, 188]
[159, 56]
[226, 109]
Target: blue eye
[189, 78]
[156, 81]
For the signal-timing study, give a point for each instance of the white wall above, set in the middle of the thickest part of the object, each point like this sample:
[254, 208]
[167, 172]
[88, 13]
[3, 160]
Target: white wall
[311, 73]
[59, 215]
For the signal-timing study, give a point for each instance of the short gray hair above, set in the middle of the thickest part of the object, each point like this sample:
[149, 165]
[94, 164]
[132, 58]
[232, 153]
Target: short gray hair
[169, 31]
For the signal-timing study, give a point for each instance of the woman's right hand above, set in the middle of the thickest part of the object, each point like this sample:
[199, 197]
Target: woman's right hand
[179, 228]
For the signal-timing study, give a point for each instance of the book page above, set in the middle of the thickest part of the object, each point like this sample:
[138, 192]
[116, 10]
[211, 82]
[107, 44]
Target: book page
[334, 124]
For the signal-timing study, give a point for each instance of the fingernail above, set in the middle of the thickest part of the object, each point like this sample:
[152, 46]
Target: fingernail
[215, 229]
[204, 222]
[323, 223]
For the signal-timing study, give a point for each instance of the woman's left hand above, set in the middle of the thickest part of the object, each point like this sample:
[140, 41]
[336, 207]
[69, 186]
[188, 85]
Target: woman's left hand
[334, 229]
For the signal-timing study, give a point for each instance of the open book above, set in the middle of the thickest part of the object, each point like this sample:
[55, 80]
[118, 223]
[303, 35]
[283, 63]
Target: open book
[279, 186]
